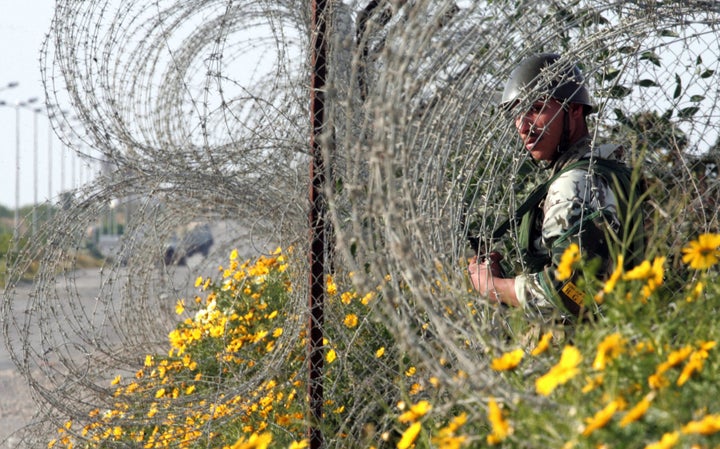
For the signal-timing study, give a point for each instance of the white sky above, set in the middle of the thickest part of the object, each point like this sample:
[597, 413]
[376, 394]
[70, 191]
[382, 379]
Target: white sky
[23, 26]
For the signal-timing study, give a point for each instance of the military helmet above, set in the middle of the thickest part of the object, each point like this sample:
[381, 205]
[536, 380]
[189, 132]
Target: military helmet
[564, 83]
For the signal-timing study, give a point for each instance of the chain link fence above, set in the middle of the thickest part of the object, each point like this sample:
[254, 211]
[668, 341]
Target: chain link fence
[199, 111]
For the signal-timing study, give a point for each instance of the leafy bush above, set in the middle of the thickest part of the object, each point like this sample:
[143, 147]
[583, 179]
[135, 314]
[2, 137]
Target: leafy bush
[641, 373]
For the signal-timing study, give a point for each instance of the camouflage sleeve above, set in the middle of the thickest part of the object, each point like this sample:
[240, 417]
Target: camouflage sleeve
[578, 208]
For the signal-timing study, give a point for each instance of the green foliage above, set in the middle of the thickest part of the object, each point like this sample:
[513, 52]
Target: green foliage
[643, 367]
[5, 212]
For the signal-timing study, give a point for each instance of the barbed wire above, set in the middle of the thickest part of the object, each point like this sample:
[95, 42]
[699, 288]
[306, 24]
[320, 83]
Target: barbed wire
[198, 110]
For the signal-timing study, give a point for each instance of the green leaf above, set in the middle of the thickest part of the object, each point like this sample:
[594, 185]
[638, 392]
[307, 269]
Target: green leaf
[619, 91]
[707, 73]
[697, 98]
[678, 86]
[620, 116]
[668, 114]
[647, 83]
[651, 56]
[668, 33]
[687, 112]
[698, 60]
[609, 74]
[626, 50]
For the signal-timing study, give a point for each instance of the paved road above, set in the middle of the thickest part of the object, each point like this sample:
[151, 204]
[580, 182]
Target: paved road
[89, 292]
[16, 405]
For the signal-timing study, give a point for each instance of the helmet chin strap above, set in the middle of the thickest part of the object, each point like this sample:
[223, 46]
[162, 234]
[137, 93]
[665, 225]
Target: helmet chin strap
[565, 137]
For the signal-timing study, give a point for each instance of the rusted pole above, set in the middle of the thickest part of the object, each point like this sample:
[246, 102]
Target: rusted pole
[317, 221]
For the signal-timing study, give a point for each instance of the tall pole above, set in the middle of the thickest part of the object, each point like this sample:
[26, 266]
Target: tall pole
[317, 220]
[16, 224]
[16, 221]
[50, 169]
[36, 112]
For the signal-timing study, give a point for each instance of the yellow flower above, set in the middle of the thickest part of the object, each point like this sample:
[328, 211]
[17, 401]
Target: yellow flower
[647, 271]
[331, 356]
[668, 440]
[703, 252]
[454, 425]
[302, 444]
[707, 426]
[198, 281]
[615, 276]
[651, 273]
[416, 412]
[507, 361]
[234, 254]
[695, 362]
[116, 380]
[410, 371]
[696, 292]
[657, 381]
[409, 436]
[180, 307]
[380, 352]
[638, 411]
[612, 280]
[367, 298]
[593, 383]
[501, 428]
[153, 410]
[449, 442]
[569, 258]
[331, 286]
[640, 272]
[543, 344]
[675, 358]
[566, 369]
[602, 417]
[351, 320]
[255, 441]
[347, 297]
[611, 346]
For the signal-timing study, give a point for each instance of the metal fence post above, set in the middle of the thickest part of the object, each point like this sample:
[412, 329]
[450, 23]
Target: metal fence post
[317, 221]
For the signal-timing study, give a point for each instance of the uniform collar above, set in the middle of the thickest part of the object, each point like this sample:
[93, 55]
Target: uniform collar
[574, 153]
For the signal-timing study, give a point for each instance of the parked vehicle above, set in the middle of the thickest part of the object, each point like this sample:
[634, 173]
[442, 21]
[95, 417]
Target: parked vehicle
[196, 238]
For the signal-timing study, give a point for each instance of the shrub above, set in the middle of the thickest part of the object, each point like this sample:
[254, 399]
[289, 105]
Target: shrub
[642, 373]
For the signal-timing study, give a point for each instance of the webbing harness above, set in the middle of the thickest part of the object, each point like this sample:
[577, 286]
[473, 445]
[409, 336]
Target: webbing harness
[619, 178]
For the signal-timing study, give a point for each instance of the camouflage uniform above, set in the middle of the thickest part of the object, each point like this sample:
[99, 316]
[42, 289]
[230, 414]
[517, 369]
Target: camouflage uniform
[580, 206]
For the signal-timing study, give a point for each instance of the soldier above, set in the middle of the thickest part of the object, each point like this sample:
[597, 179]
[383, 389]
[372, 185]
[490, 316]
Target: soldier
[576, 205]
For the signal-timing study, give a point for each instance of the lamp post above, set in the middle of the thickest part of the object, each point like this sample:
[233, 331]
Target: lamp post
[10, 85]
[18, 106]
[36, 112]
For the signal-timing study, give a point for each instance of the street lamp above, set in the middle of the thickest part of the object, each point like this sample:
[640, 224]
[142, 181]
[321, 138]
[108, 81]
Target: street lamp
[9, 85]
[18, 106]
[36, 112]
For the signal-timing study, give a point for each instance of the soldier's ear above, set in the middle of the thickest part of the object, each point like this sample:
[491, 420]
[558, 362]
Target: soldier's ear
[577, 111]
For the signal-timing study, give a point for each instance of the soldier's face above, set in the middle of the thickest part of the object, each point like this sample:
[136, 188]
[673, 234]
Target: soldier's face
[541, 128]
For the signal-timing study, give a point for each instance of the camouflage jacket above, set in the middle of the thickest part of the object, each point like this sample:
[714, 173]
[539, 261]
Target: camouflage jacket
[579, 207]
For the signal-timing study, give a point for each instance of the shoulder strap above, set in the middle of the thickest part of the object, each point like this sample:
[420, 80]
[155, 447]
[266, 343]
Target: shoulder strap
[613, 171]
[535, 197]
